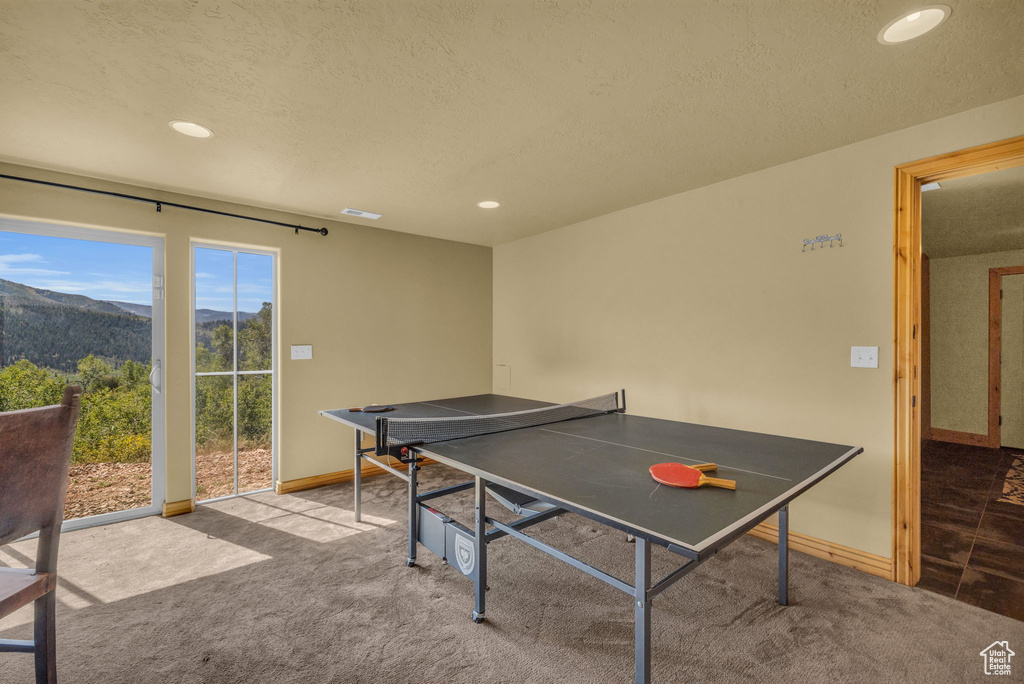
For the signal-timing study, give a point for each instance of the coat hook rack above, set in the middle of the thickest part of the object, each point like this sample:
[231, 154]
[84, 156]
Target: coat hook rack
[821, 239]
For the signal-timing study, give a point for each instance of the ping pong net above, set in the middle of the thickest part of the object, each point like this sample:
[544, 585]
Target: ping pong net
[394, 435]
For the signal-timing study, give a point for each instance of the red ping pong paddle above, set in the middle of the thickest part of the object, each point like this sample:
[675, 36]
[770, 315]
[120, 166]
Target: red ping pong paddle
[679, 475]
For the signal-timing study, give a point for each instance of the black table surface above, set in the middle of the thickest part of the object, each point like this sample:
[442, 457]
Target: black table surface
[599, 466]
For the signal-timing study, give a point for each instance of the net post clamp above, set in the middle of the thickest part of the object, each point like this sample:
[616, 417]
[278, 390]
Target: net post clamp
[404, 452]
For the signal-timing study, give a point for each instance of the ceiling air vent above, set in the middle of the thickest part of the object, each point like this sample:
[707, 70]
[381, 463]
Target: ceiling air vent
[362, 214]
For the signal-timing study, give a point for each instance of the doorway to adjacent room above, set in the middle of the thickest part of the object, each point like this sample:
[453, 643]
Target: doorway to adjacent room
[971, 396]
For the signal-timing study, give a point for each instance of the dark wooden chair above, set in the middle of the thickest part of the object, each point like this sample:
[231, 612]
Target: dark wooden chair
[35, 454]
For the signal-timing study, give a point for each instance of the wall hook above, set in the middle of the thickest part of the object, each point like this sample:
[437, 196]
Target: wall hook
[838, 237]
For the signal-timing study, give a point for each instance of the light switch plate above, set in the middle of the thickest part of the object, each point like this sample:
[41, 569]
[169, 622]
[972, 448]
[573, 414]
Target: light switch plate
[302, 351]
[863, 357]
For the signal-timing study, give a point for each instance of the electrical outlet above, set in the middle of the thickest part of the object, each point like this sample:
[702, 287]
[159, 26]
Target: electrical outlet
[863, 357]
[302, 351]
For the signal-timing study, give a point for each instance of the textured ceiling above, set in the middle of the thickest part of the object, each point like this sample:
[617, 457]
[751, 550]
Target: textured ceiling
[560, 109]
[974, 215]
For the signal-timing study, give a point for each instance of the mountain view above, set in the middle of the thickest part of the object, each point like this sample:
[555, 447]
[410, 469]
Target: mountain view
[80, 311]
[35, 325]
[202, 315]
[50, 338]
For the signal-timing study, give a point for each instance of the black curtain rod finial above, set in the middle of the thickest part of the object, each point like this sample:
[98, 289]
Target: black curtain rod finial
[323, 231]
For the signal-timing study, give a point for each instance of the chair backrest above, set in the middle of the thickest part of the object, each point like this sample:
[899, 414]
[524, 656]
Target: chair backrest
[35, 455]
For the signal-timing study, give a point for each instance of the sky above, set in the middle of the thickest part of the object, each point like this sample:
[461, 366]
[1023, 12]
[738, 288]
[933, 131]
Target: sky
[124, 273]
[214, 275]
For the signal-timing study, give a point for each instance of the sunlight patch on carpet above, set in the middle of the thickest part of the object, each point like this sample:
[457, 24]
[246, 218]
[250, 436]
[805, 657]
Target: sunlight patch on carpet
[90, 571]
[311, 520]
[327, 524]
[258, 508]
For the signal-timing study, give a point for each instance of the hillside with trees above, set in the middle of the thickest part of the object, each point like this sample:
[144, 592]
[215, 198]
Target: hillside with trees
[56, 330]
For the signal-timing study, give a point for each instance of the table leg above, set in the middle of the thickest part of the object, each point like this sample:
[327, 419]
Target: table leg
[480, 550]
[413, 510]
[357, 477]
[642, 612]
[784, 556]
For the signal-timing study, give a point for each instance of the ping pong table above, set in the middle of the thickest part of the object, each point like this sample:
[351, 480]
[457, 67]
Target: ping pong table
[541, 460]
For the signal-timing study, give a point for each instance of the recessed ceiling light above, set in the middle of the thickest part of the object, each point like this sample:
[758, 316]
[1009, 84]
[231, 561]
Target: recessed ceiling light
[488, 204]
[930, 186]
[191, 129]
[914, 24]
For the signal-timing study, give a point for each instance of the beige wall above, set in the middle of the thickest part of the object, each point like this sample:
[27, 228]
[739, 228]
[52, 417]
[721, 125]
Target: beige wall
[391, 317]
[704, 308]
[959, 336]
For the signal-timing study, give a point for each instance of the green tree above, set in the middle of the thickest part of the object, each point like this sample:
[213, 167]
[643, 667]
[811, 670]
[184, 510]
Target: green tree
[254, 411]
[134, 374]
[223, 347]
[115, 425]
[96, 374]
[255, 340]
[214, 412]
[25, 385]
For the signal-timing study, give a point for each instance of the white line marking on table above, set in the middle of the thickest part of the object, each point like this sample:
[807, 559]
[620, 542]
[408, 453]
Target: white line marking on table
[449, 408]
[662, 453]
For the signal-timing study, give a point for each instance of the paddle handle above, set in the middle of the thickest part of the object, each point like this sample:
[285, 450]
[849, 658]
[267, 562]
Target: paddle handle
[717, 482]
[705, 467]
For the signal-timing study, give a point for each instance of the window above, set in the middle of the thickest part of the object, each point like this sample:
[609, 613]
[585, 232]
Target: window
[234, 326]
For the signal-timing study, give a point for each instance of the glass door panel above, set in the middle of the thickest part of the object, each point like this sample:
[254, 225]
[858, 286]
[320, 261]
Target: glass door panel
[84, 306]
[255, 432]
[215, 437]
[255, 312]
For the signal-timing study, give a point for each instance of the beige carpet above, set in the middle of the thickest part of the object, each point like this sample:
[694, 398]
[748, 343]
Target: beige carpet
[288, 589]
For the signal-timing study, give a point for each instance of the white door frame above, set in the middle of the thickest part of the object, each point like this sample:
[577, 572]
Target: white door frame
[158, 438]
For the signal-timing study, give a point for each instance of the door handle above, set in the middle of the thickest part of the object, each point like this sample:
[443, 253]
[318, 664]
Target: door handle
[154, 376]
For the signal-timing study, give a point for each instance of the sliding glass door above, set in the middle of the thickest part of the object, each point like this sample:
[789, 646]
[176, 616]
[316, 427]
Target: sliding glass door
[85, 306]
[234, 328]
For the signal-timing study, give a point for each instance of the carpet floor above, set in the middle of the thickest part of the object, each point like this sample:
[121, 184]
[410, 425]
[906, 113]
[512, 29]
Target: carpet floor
[288, 589]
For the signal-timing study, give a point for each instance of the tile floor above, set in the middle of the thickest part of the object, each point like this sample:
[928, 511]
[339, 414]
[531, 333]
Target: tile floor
[972, 545]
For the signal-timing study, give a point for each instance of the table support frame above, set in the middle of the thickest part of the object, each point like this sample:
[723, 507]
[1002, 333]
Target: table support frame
[642, 591]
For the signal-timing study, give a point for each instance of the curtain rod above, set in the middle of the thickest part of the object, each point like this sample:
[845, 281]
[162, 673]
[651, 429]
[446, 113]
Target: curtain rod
[160, 203]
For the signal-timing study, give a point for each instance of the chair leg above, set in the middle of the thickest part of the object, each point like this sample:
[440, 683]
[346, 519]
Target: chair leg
[46, 639]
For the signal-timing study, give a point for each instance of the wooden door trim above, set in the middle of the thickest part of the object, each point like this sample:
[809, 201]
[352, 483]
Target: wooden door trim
[995, 349]
[906, 492]
[926, 350]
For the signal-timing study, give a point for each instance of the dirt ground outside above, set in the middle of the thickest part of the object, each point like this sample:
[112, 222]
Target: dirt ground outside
[95, 488]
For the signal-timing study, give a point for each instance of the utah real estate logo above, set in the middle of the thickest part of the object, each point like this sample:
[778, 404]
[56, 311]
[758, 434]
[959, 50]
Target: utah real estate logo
[997, 658]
